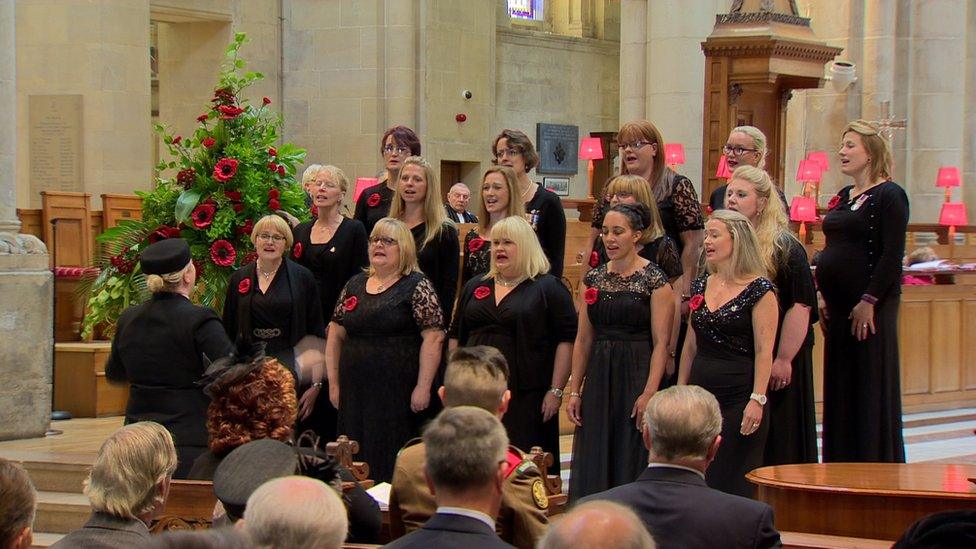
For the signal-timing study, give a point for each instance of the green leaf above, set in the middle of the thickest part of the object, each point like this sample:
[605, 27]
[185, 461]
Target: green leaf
[185, 204]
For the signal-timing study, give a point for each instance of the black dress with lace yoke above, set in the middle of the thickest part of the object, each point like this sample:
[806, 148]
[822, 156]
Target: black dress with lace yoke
[724, 364]
[379, 364]
[607, 450]
[477, 256]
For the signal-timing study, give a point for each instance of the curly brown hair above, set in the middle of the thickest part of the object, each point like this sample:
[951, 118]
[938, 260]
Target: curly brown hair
[262, 404]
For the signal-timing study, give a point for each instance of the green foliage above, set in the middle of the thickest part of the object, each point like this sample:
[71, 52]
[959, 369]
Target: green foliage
[231, 128]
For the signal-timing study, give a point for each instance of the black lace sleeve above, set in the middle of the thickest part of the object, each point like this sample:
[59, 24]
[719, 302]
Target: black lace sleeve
[667, 257]
[686, 206]
[600, 210]
[426, 307]
[339, 310]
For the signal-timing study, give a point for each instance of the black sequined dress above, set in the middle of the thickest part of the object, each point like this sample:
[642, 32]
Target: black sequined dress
[724, 364]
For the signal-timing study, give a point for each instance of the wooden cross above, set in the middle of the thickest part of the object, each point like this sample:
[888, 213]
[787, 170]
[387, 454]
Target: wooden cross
[886, 124]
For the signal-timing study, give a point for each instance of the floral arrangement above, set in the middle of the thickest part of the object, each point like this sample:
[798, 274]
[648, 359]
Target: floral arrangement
[228, 174]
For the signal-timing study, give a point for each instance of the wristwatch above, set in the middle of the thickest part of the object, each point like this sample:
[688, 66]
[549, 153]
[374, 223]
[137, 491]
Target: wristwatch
[556, 391]
[761, 399]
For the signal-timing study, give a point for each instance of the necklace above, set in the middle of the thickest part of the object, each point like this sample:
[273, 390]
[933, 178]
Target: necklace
[267, 275]
[526, 192]
[508, 283]
[381, 284]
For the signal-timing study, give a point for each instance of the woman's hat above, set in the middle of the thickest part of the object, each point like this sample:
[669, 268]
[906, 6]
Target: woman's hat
[165, 256]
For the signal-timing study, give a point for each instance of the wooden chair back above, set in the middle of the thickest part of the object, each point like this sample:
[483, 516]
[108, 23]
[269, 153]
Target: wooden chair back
[190, 506]
[69, 239]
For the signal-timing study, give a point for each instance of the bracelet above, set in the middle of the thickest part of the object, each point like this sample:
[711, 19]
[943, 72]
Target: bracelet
[317, 384]
[869, 298]
[685, 298]
[575, 394]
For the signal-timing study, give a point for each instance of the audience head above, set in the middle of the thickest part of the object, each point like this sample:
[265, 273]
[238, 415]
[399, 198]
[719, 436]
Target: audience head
[682, 423]
[598, 524]
[458, 197]
[271, 237]
[391, 246]
[945, 529]
[246, 468]
[746, 145]
[731, 241]
[18, 501]
[515, 250]
[640, 144]
[500, 196]
[477, 376]
[211, 538]
[167, 265]
[864, 148]
[921, 255]
[296, 513]
[634, 189]
[131, 474]
[624, 227]
[514, 149]
[326, 185]
[397, 144]
[466, 449]
[417, 185]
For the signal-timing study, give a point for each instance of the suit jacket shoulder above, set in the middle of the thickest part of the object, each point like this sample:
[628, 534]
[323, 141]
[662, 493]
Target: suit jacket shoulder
[444, 530]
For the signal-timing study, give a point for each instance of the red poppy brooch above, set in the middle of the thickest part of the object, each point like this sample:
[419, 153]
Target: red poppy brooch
[373, 200]
[476, 244]
[696, 301]
[296, 252]
[350, 303]
[833, 202]
[244, 286]
[590, 295]
[482, 292]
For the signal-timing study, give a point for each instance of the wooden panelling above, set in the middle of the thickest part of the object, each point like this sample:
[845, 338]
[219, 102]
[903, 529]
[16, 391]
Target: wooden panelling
[116, 207]
[914, 322]
[968, 337]
[80, 386]
[944, 345]
[30, 222]
[69, 238]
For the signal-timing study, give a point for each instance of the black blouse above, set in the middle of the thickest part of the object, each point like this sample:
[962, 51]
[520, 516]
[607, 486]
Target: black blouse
[439, 261]
[334, 262]
[794, 284]
[477, 256]
[370, 209]
[546, 214]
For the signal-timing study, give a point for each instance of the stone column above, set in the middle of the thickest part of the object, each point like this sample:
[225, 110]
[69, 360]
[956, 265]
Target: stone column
[25, 281]
[633, 59]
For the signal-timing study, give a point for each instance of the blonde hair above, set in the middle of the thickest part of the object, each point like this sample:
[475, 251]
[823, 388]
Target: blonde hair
[532, 261]
[515, 204]
[168, 282]
[641, 190]
[662, 177]
[275, 223]
[772, 226]
[397, 230]
[129, 469]
[435, 217]
[476, 376]
[877, 145]
[758, 139]
[337, 174]
[746, 261]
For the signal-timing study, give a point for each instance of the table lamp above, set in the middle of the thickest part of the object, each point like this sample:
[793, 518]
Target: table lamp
[591, 148]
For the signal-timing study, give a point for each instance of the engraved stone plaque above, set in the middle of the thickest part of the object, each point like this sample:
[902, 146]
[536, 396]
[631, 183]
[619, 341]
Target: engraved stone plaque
[558, 148]
[55, 143]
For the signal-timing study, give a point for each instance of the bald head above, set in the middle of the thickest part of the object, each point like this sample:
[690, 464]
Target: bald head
[598, 524]
[296, 512]
[458, 197]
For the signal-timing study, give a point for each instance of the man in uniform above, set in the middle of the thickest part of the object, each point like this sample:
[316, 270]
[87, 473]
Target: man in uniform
[476, 376]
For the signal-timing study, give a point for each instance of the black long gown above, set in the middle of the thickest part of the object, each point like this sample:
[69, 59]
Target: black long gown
[862, 391]
[438, 259]
[370, 209]
[527, 326]
[545, 212]
[608, 450]
[379, 364]
[725, 365]
[792, 416]
[476, 256]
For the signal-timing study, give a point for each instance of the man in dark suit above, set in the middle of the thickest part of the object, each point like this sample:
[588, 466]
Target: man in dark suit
[465, 471]
[126, 487]
[457, 204]
[681, 431]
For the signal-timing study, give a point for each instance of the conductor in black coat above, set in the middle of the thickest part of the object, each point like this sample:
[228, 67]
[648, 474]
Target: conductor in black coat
[159, 349]
[682, 427]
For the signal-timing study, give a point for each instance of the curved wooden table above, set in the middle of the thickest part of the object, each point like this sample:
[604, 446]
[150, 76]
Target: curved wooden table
[863, 500]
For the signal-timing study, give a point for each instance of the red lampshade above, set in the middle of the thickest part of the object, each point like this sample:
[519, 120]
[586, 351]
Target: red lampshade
[803, 208]
[953, 214]
[591, 149]
[820, 157]
[363, 183]
[674, 153]
[723, 171]
[948, 177]
[809, 171]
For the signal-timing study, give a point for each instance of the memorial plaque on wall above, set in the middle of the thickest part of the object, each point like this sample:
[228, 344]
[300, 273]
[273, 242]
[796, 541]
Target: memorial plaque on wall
[558, 147]
[55, 143]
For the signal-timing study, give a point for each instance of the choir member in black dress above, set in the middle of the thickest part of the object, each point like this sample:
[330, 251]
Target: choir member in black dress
[498, 186]
[527, 314]
[729, 351]
[159, 349]
[333, 247]
[746, 146]
[620, 354]
[275, 300]
[792, 421]
[417, 203]
[858, 275]
[398, 143]
[384, 347]
[543, 208]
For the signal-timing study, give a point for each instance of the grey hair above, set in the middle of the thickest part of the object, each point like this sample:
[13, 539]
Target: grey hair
[613, 524]
[464, 446]
[296, 512]
[682, 422]
[18, 501]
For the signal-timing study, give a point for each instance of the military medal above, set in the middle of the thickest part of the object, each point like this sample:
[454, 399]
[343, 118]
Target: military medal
[860, 202]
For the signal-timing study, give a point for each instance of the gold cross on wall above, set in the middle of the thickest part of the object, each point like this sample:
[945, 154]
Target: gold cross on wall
[886, 124]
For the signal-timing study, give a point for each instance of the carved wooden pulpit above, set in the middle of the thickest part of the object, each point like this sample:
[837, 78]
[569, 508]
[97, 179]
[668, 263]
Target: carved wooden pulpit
[756, 55]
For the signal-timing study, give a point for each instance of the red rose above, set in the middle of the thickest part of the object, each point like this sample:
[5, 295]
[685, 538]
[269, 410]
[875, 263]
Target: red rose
[172, 232]
[223, 95]
[272, 166]
[834, 201]
[315, 210]
[274, 193]
[273, 151]
[225, 169]
[590, 295]
[709, 209]
[177, 139]
[274, 205]
[244, 286]
[223, 253]
[246, 228]
[266, 101]
[229, 112]
[208, 142]
[233, 195]
[202, 117]
[350, 303]
[296, 252]
[482, 292]
[251, 257]
[594, 259]
[186, 177]
[238, 207]
[203, 215]
[281, 170]
[696, 301]
[476, 244]
[373, 200]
